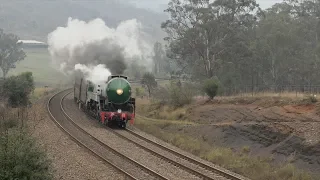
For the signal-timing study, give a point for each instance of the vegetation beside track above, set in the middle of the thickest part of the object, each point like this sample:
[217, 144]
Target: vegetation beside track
[162, 121]
[21, 157]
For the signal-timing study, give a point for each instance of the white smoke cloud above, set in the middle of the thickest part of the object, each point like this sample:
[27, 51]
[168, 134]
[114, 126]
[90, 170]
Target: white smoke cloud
[97, 74]
[83, 45]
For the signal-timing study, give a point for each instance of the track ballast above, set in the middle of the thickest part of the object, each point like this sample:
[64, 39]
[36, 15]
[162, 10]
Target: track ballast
[191, 165]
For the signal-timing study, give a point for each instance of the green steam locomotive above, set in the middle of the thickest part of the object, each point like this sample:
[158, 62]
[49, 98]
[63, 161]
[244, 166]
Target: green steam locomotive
[110, 102]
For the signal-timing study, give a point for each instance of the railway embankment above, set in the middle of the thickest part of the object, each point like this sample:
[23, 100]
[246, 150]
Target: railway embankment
[258, 137]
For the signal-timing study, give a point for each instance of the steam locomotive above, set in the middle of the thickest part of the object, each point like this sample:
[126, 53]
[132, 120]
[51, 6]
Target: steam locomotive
[110, 102]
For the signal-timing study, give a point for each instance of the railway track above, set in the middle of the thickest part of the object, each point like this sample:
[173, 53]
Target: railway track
[129, 167]
[193, 166]
[190, 164]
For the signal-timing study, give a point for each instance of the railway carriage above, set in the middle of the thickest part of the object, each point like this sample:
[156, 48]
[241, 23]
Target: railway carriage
[110, 102]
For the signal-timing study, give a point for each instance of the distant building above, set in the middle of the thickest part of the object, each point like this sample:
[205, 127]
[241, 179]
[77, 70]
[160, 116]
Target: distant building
[32, 44]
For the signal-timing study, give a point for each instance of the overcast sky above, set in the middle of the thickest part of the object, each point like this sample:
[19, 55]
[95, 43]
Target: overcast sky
[159, 5]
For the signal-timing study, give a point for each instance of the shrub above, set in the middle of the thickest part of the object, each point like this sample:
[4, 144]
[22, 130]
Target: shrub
[181, 95]
[139, 92]
[176, 94]
[17, 89]
[313, 98]
[20, 158]
[210, 87]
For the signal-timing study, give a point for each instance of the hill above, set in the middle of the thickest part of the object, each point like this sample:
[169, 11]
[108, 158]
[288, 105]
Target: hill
[34, 19]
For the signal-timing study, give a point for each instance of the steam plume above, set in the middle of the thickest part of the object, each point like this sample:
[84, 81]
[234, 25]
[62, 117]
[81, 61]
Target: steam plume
[94, 48]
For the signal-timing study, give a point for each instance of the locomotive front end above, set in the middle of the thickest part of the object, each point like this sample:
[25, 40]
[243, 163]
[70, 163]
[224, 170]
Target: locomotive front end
[118, 91]
[121, 107]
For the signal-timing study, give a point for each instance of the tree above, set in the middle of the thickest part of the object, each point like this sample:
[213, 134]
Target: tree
[10, 52]
[149, 81]
[158, 57]
[199, 32]
[18, 88]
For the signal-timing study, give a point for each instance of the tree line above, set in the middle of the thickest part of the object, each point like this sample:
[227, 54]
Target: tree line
[240, 44]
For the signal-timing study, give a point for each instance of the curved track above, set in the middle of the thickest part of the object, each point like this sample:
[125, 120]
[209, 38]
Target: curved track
[190, 164]
[127, 166]
[193, 166]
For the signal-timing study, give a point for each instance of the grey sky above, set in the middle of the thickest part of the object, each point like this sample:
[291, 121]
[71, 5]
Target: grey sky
[159, 5]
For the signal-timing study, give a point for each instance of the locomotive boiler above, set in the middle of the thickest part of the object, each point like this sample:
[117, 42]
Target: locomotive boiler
[110, 102]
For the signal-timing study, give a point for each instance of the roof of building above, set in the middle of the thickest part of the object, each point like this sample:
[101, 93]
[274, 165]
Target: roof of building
[30, 42]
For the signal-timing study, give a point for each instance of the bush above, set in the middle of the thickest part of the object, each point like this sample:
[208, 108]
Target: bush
[139, 92]
[181, 95]
[210, 87]
[17, 89]
[313, 98]
[20, 156]
[176, 94]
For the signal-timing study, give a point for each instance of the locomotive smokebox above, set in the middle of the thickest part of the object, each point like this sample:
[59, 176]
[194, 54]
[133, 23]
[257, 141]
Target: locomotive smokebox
[118, 90]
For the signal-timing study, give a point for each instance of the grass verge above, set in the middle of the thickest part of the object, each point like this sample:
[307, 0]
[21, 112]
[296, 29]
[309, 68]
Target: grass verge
[160, 118]
[255, 168]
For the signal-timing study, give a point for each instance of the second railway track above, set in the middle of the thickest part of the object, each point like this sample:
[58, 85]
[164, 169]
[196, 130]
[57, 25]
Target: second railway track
[130, 168]
[188, 164]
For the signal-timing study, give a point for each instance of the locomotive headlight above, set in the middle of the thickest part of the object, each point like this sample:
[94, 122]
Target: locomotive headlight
[119, 91]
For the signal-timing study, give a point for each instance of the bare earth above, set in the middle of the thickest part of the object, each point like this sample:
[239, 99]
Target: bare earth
[289, 133]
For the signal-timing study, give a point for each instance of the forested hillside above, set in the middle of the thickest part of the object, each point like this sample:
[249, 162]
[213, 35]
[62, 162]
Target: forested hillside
[244, 46]
[34, 19]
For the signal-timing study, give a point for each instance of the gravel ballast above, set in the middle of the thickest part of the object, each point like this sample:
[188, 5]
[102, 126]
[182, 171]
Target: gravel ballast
[69, 160]
[129, 149]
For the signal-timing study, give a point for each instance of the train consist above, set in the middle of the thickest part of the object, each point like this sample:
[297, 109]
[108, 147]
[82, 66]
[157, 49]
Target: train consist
[110, 102]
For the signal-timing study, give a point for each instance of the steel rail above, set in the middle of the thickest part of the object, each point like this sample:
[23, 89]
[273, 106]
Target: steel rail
[149, 171]
[195, 172]
[225, 173]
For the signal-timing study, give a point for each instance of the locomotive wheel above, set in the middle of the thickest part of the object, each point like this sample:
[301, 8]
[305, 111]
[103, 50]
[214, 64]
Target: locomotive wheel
[109, 123]
[122, 125]
[98, 117]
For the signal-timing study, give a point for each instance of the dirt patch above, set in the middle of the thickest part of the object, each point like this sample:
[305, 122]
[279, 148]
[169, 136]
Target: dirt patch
[300, 109]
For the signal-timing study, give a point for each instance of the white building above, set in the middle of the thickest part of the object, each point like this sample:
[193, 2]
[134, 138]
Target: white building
[32, 44]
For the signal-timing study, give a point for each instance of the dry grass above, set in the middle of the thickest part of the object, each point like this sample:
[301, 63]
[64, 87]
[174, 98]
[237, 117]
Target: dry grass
[41, 92]
[163, 122]
[240, 162]
[267, 99]
[159, 117]
[284, 95]
[156, 110]
[270, 94]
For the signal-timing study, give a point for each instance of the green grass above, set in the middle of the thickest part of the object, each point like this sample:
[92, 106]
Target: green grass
[38, 61]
